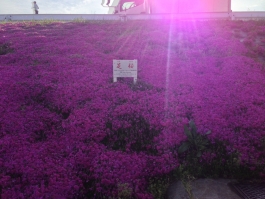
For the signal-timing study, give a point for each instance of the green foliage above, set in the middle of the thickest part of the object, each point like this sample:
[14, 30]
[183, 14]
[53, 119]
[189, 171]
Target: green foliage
[196, 143]
[186, 178]
[39, 22]
[5, 49]
[46, 21]
[158, 186]
[221, 163]
[188, 188]
[137, 137]
[79, 20]
[124, 191]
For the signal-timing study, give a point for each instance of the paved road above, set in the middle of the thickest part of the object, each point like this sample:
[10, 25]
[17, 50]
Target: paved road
[204, 189]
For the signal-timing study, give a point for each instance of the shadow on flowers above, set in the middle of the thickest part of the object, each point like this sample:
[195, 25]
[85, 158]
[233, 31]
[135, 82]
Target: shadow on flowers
[134, 135]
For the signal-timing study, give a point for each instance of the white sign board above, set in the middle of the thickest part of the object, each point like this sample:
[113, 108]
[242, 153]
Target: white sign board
[124, 68]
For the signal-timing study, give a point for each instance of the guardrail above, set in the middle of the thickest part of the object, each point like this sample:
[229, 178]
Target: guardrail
[248, 15]
[60, 17]
[184, 16]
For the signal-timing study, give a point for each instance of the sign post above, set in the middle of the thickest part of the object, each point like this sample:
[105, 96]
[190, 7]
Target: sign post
[125, 68]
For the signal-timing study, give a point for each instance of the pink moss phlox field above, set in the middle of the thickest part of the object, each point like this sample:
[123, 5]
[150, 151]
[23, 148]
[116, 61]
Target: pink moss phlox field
[66, 130]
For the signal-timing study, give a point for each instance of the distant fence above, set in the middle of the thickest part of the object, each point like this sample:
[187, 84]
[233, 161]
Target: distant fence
[182, 16]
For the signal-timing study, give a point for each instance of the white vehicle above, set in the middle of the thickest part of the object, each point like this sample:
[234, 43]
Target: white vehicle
[166, 6]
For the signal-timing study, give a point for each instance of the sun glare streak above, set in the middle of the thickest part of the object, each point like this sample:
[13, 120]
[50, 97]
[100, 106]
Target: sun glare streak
[195, 29]
[168, 62]
[187, 26]
[128, 41]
